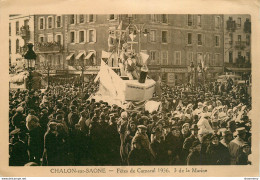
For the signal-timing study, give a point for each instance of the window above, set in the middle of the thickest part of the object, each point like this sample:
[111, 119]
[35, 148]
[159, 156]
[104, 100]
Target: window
[199, 58]
[153, 17]
[248, 40]
[58, 21]
[199, 39]
[41, 23]
[17, 46]
[17, 27]
[248, 56]
[189, 20]
[217, 60]
[59, 60]
[164, 18]
[91, 35]
[165, 58]
[217, 41]
[112, 17]
[152, 57]
[49, 58]
[230, 57]
[239, 38]
[50, 22]
[217, 22]
[189, 57]
[26, 22]
[59, 39]
[72, 19]
[199, 20]
[239, 22]
[91, 18]
[238, 53]
[49, 38]
[72, 37]
[41, 38]
[81, 36]
[10, 32]
[230, 38]
[152, 35]
[10, 47]
[177, 57]
[189, 38]
[81, 18]
[164, 36]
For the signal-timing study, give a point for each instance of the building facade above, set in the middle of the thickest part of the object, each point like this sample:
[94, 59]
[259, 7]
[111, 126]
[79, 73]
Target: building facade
[21, 31]
[237, 53]
[74, 43]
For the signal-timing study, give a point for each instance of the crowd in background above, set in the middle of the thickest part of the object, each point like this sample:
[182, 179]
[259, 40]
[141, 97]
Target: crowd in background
[204, 125]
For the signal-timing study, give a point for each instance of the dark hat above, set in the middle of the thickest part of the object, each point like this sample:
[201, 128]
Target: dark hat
[194, 127]
[226, 133]
[240, 130]
[213, 136]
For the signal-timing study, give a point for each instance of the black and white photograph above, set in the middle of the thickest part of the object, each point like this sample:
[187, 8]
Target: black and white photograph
[130, 90]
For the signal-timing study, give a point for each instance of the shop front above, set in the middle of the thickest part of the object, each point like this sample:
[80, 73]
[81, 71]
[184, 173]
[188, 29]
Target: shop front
[175, 76]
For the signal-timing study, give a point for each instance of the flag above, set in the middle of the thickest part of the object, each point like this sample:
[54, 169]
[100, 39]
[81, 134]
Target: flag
[131, 36]
[144, 57]
[120, 26]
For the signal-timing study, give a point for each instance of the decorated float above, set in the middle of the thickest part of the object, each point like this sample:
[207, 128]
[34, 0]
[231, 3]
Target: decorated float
[116, 84]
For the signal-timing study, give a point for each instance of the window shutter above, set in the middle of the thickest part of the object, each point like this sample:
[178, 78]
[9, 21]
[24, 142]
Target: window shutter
[87, 16]
[108, 16]
[44, 23]
[168, 36]
[94, 17]
[116, 16]
[87, 35]
[76, 36]
[95, 36]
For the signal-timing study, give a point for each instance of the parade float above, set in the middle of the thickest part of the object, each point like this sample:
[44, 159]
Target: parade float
[115, 86]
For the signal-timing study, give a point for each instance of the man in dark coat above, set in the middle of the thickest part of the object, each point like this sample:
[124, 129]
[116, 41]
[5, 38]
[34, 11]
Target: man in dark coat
[18, 150]
[242, 158]
[159, 148]
[140, 155]
[195, 156]
[18, 118]
[188, 141]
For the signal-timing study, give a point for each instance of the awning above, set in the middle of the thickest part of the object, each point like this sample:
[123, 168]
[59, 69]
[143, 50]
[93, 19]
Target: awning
[69, 56]
[238, 69]
[89, 55]
[79, 55]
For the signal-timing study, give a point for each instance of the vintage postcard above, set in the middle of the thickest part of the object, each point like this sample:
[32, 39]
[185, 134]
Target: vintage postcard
[129, 88]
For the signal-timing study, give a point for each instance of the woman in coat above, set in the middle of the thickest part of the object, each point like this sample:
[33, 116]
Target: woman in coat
[217, 153]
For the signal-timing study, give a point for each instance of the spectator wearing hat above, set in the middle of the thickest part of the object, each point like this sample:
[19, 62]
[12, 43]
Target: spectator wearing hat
[227, 137]
[203, 123]
[236, 144]
[159, 148]
[18, 149]
[195, 157]
[139, 155]
[174, 143]
[121, 126]
[50, 145]
[131, 130]
[217, 153]
[189, 140]
[242, 158]
[18, 118]
[185, 130]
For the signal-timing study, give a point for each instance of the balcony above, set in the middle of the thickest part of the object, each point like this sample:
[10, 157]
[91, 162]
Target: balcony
[48, 47]
[25, 32]
[231, 25]
[240, 45]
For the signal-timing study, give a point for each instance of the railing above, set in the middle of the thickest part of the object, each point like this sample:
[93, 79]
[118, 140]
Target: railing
[240, 45]
[48, 47]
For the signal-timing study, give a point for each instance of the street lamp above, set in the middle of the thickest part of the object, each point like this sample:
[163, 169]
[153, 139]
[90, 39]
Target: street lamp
[30, 56]
[139, 31]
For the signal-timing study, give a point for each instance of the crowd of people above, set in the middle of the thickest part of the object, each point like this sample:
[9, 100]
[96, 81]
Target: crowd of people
[205, 125]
